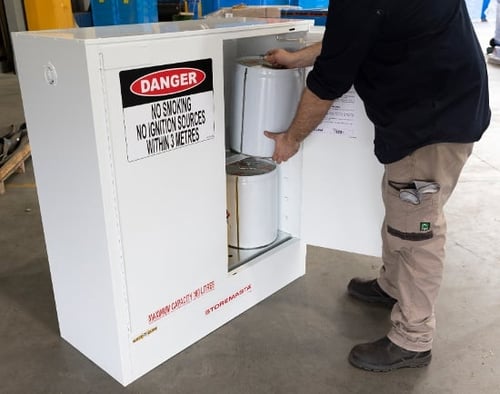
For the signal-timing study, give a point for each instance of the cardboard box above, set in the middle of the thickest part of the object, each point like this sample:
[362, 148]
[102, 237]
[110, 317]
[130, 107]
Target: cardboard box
[249, 12]
[257, 12]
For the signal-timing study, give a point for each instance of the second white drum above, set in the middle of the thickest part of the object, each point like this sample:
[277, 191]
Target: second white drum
[252, 203]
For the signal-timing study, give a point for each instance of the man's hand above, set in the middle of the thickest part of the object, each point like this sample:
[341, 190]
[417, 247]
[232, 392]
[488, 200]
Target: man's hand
[280, 58]
[304, 57]
[285, 146]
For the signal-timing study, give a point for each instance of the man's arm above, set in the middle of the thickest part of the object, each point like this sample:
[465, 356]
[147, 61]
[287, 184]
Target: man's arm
[309, 114]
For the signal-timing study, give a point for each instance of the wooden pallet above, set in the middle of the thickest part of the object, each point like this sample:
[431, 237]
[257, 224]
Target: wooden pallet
[15, 164]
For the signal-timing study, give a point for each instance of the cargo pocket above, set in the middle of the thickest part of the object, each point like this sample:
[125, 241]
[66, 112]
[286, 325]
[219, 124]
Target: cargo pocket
[412, 210]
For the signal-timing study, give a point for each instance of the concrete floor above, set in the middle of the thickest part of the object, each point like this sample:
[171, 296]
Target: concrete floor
[296, 341]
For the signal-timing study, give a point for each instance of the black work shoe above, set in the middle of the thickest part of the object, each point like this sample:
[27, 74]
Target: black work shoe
[369, 291]
[384, 356]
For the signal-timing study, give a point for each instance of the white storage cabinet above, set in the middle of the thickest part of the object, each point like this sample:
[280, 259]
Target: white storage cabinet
[127, 129]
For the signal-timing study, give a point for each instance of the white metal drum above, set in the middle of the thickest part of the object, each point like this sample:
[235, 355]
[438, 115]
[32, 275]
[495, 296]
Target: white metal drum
[264, 98]
[252, 203]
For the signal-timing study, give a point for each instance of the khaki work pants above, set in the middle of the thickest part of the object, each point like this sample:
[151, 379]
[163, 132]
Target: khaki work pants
[414, 235]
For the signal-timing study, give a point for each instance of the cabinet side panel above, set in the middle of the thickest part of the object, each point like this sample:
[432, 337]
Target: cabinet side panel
[54, 79]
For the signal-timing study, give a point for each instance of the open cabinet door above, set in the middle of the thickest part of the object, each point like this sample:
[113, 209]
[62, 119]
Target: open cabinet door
[341, 201]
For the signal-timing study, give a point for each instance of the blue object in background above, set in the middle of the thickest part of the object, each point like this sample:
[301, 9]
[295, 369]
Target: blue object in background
[138, 11]
[217, 4]
[210, 6]
[118, 12]
[207, 6]
[312, 4]
[104, 12]
[486, 3]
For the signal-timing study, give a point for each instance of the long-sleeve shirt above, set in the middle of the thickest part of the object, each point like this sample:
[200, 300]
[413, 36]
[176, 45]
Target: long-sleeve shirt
[416, 64]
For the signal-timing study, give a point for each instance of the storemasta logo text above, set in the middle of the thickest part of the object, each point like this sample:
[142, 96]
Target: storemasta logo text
[165, 82]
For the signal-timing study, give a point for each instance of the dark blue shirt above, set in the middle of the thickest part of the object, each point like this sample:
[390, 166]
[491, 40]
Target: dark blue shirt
[416, 64]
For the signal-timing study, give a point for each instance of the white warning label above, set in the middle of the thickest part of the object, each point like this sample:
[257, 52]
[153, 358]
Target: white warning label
[162, 126]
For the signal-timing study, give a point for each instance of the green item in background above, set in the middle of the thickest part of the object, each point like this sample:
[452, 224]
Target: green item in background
[183, 16]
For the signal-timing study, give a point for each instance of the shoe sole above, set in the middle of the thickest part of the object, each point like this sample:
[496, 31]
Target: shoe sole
[415, 363]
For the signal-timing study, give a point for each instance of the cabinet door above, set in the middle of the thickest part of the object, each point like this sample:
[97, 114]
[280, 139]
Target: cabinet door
[165, 105]
[341, 201]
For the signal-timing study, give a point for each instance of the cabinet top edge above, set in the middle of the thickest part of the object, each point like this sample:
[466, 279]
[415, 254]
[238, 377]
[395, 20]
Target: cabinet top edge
[210, 25]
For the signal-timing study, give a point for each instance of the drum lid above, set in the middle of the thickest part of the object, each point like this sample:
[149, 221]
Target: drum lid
[250, 166]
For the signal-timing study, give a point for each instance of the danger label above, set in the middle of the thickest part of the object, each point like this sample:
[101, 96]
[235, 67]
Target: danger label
[180, 116]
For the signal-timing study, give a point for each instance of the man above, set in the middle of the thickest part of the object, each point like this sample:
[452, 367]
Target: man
[419, 70]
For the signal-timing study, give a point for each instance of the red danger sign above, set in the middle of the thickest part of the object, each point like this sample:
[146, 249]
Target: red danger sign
[167, 82]
[167, 107]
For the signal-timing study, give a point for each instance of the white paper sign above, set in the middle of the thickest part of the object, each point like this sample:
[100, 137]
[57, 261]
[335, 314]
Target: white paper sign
[340, 118]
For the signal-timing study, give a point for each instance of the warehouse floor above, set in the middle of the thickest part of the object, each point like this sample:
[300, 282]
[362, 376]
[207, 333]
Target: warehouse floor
[296, 341]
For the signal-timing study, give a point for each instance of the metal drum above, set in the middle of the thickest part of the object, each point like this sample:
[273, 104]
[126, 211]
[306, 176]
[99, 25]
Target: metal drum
[264, 98]
[252, 203]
